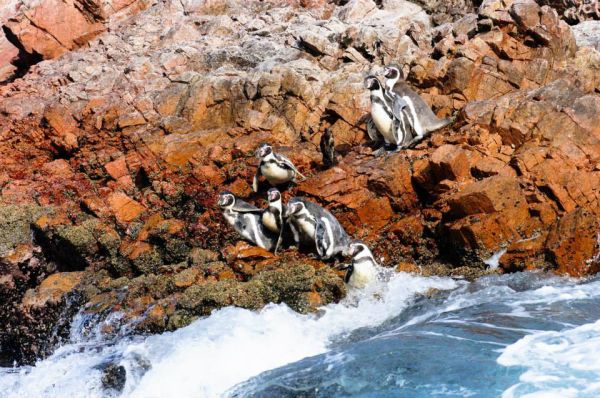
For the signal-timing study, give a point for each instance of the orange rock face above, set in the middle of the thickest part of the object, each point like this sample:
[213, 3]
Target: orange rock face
[122, 145]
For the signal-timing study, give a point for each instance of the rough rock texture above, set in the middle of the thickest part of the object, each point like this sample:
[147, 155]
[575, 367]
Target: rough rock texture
[587, 34]
[44, 29]
[112, 155]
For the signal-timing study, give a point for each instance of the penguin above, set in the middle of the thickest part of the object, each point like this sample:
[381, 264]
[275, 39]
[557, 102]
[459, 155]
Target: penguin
[425, 121]
[315, 227]
[246, 220]
[363, 268]
[272, 217]
[391, 117]
[276, 168]
[327, 145]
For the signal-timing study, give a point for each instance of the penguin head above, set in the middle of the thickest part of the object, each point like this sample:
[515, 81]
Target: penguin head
[226, 199]
[393, 72]
[357, 247]
[263, 150]
[273, 195]
[372, 83]
[294, 208]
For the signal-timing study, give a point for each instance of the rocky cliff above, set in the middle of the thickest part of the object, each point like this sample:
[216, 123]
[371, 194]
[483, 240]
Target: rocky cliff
[121, 121]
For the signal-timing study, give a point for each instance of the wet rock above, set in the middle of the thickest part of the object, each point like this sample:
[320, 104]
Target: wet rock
[52, 289]
[114, 377]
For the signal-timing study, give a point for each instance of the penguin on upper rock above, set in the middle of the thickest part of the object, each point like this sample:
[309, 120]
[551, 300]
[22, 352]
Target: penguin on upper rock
[276, 168]
[391, 119]
[401, 96]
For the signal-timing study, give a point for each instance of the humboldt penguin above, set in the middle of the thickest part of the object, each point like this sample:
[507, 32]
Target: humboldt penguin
[391, 118]
[276, 168]
[272, 217]
[246, 220]
[363, 268]
[327, 145]
[425, 121]
[316, 228]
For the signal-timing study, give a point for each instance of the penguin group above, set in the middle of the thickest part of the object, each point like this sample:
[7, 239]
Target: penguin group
[399, 117]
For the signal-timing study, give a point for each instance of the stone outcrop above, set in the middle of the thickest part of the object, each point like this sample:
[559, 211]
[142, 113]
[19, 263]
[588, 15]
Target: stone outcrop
[34, 30]
[112, 155]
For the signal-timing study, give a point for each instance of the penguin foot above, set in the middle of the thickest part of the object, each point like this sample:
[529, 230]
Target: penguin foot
[379, 152]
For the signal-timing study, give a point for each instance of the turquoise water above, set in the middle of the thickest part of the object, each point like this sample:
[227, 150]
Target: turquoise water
[520, 335]
[456, 345]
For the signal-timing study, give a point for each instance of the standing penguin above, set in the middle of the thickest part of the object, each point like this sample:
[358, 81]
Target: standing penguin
[327, 145]
[315, 227]
[425, 121]
[272, 217]
[276, 168]
[391, 118]
[246, 220]
[363, 268]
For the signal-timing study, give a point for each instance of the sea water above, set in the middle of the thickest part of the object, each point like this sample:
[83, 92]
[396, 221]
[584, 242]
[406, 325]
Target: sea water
[518, 335]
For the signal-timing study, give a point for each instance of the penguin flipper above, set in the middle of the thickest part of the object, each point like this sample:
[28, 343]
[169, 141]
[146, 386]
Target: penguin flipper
[279, 240]
[372, 131]
[285, 162]
[350, 270]
[319, 236]
[245, 207]
[398, 106]
[255, 180]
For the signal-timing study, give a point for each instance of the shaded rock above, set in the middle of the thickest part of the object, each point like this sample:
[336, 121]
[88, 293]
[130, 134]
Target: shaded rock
[574, 243]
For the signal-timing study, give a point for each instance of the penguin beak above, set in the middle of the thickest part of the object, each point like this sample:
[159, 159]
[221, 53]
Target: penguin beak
[272, 196]
[387, 72]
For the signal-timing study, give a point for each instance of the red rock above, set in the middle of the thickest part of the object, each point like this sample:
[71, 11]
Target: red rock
[490, 195]
[59, 167]
[117, 168]
[574, 243]
[52, 289]
[409, 229]
[124, 208]
[375, 213]
[392, 177]
[64, 126]
[526, 254]
[450, 162]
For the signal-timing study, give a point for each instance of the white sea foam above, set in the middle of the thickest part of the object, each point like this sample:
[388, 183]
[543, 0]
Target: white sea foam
[558, 364]
[214, 354]
[494, 261]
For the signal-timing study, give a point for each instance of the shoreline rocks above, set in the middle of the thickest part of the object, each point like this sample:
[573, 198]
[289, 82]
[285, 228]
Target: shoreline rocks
[112, 156]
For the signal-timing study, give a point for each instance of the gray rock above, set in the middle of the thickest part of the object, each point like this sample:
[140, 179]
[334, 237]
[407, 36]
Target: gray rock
[587, 34]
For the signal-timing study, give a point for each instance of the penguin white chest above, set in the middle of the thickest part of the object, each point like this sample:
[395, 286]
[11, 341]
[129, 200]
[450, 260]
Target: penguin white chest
[276, 174]
[382, 121]
[363, 274]
[269, 221]
[308, 228]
